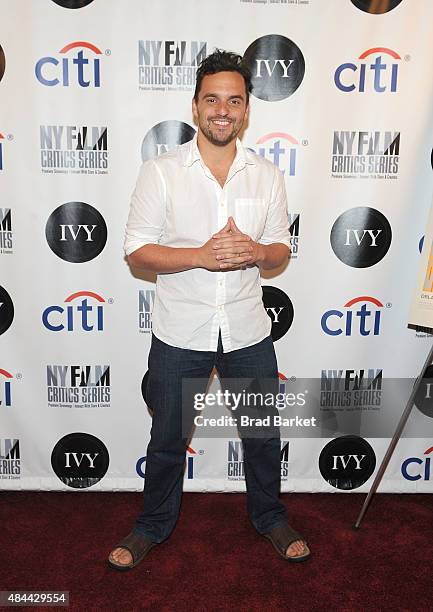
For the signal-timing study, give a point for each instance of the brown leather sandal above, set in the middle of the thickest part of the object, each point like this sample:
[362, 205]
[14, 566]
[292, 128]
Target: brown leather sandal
[281, 537]
[138, 545]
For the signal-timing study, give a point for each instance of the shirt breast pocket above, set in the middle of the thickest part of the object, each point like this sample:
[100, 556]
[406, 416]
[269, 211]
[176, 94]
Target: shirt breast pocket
[250, 216]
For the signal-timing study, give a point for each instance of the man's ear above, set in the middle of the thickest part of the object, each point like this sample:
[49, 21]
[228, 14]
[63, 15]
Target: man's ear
[194, 108]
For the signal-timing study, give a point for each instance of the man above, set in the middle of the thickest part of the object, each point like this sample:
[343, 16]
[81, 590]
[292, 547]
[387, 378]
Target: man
[208, 309]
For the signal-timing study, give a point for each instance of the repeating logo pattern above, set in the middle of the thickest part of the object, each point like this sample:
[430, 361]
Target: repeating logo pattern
[76, 232]
[277, 66]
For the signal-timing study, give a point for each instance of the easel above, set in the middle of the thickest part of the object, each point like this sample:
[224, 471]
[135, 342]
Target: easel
[396, 437]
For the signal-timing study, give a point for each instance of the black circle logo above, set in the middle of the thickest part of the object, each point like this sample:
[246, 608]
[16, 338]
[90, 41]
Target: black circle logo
[80, 460]
[374, 7]
[277, 67]
[280, 310]
[73, 4]
[424, 395]
[361, 237]
[76, 232]
[2, 62]
[347, 462]
[6, 310]
[165, 136]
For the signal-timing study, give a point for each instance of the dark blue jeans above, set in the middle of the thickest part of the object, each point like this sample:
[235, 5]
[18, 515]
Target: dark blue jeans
[167, 447]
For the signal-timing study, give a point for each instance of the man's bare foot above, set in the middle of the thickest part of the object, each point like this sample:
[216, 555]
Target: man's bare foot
[297, 549]
[121, 556]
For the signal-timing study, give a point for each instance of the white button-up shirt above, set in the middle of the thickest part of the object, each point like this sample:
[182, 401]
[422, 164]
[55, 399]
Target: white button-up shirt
[177, 202]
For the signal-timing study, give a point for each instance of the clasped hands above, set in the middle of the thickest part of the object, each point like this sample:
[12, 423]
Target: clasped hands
[230, 249]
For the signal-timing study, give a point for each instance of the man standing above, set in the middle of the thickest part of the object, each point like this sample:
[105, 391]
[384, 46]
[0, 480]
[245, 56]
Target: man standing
[208, 309]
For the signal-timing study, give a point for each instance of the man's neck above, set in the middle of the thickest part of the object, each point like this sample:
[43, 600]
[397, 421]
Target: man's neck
[214, 155]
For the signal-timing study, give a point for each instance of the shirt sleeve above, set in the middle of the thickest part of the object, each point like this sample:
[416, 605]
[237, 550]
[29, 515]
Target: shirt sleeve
[277, 220]
[146, 218]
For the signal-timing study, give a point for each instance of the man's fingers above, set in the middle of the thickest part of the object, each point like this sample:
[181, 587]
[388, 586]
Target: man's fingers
[233, 226]
[236, 260]
[234, 249]
[232, 240]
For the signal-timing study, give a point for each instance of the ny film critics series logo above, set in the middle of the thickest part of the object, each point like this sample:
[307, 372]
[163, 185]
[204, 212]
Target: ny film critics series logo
[73, 149]
[361, 236]
[6, 310]
[82, 311]
[164, 137]
[146, 299]
[272, 3]
[280, 310]
[169, 65]
[76, 232]
[347, 463]
[78, 386]
[6, 235]
[77, 64]
[10, 459]
[235, 460]
[376, 71]
[277, 67]
[351, 388]
[370, 155]
[80, 460]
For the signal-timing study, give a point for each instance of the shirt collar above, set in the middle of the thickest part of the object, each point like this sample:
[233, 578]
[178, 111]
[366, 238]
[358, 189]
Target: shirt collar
[191, 154]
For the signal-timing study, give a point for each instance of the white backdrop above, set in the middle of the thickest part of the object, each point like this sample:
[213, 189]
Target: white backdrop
[52, 89]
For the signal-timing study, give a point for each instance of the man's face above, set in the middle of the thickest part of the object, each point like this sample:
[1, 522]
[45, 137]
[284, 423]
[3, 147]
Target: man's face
[222, 107]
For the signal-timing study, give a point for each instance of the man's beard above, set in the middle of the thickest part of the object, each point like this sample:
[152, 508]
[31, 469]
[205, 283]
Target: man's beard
[219, 142]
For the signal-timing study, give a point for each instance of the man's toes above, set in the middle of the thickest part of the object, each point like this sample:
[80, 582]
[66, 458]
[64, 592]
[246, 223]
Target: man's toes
[296, 549]
[121, 556]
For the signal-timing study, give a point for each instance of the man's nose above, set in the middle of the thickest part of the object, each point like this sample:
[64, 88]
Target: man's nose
[223, 108]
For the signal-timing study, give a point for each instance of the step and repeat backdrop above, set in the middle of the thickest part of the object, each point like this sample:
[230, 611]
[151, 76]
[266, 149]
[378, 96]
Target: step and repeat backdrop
[342, 104]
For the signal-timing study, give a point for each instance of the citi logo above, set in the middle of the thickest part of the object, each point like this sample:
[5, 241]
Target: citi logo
[77, 314]
[380, 76]
[280, 149]
[417, 468]
[5, 397]
[363, 319]
[189, 464]
[189, 467]
[80, 68]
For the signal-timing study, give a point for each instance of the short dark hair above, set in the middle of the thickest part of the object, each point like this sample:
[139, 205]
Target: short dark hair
[223, 61]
